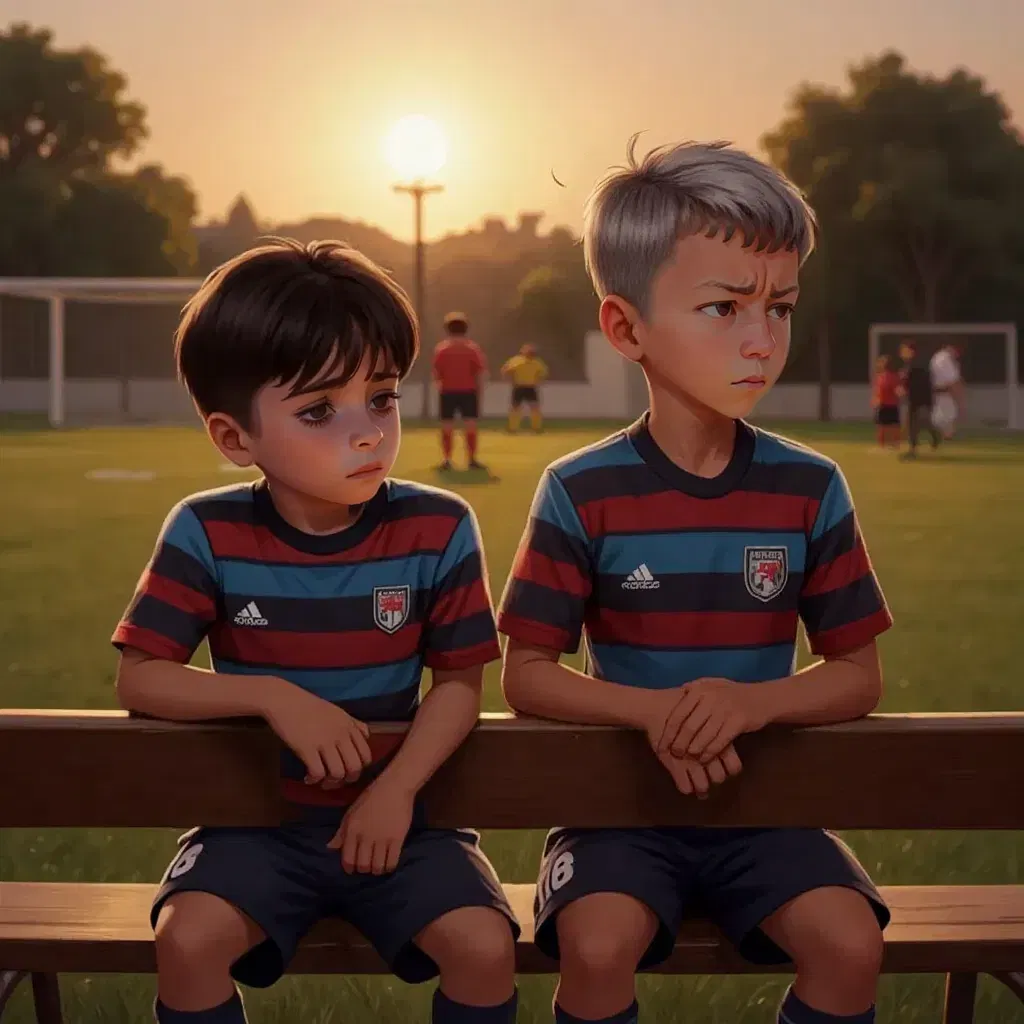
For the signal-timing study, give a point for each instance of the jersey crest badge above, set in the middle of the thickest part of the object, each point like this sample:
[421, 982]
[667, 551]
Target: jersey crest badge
[765, 571]
[391, 607]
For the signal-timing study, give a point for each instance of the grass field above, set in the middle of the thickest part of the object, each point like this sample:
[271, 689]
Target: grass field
[945, 534]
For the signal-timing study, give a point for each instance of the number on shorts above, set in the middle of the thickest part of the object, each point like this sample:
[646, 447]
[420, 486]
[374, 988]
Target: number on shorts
[557, 875]
[187, 860]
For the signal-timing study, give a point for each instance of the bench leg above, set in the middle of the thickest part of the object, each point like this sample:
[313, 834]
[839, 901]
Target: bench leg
[1014, 981]
[960, 992]
[9, 981]
[46, 996]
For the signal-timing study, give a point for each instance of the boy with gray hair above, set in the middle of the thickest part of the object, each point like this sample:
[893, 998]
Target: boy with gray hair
[684, 551]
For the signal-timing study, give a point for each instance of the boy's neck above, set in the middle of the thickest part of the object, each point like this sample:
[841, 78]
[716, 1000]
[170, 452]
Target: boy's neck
[311, 515]
[697, 439]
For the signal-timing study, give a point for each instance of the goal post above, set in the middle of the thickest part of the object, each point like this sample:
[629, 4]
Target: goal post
[57, 292]
[1008, 331]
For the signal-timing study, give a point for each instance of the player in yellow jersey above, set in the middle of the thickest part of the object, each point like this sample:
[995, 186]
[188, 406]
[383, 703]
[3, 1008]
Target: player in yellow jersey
[526, 371]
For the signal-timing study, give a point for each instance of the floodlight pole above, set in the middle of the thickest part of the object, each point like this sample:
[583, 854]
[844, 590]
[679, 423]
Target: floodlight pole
[418, 190]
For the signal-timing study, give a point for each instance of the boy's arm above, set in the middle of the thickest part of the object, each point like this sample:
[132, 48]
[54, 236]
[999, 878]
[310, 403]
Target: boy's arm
[536, 683]
[460, 639]
[174, 605]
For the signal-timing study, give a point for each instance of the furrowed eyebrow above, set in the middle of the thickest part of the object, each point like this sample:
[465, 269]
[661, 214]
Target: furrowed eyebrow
[748, 289]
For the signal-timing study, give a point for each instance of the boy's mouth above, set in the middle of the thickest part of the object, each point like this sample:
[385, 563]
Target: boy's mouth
[750, 382]
[369, 469]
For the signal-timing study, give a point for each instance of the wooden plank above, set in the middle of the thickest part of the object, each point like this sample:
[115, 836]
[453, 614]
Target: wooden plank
[103, 927]
[106, 769]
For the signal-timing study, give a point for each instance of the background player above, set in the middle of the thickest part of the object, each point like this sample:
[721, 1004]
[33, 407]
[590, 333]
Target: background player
[684, 551]
[917, 386]
[885, 400]
[948, 386]
[526, 371]
[460, 369]
[322, 594]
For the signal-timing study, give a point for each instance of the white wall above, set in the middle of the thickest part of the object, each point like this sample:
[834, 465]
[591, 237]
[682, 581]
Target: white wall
[615, 389]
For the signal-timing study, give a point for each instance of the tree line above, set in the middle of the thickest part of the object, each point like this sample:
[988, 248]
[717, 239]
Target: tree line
[916, 180]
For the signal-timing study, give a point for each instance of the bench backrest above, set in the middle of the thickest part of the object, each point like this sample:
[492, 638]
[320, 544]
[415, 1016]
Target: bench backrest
[109, 769]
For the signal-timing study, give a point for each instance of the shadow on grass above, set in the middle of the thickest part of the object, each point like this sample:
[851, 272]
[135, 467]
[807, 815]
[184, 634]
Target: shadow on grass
[465, 477]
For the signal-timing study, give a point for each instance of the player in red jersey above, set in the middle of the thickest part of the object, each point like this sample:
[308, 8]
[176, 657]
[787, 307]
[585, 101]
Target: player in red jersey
[459, 370]
[886, 403]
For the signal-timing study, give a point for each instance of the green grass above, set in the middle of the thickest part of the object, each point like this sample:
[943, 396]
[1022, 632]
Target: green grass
[945, 536]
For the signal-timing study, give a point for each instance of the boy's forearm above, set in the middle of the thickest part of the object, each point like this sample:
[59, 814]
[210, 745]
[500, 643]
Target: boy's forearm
[444, 719]
[548, 689]
[834, 690]
[184, 693]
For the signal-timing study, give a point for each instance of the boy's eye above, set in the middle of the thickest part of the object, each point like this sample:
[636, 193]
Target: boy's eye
[385, 400]
[783, 311]
[316, 414]
[718, 310]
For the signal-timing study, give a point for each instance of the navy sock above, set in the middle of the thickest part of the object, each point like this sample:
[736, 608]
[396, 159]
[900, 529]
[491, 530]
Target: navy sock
[630, 1015]
[447, 1011]
[795, 1011]
[231, 1012]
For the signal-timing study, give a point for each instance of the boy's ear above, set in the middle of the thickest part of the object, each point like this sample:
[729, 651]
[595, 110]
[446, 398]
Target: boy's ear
[619, 322]
[231, 440]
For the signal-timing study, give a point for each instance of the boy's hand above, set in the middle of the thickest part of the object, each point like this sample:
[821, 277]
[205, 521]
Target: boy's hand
[710, 714]
[330, 743]
[694, 778]
[374, 828]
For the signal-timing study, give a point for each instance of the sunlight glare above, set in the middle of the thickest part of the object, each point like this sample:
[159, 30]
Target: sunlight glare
[416, 148]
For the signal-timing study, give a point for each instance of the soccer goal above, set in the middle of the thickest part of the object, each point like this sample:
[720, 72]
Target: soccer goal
[57, 294]
[990, 364]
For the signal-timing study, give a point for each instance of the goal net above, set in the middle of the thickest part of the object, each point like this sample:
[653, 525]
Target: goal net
[989, 365]
[92, 349]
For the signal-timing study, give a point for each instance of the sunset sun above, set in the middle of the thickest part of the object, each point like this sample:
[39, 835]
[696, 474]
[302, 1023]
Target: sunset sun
[416, 148]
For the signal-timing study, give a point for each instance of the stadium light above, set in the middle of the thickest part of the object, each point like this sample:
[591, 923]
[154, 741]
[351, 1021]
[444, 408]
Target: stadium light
[417, 151]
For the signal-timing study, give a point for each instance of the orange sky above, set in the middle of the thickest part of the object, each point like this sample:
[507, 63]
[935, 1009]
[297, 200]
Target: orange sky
[290, 102]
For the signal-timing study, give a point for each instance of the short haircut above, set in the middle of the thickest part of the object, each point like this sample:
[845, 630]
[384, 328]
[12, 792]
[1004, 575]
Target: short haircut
[287, 312]
[456, 323]
[636, 214]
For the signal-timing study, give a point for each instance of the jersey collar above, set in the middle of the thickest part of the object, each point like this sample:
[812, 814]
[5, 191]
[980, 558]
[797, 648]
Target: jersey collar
[319, 544]
[689, 483]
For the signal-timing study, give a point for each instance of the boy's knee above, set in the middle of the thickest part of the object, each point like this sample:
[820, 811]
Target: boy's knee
[604, 934]
[473, 940]
[200, 932]
[852, 952]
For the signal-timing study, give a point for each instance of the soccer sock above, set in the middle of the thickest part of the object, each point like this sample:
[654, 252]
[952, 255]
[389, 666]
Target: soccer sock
[535, 419]
[881, 435]
[795, 1011]
[471, 442]
[513, 420]
[446, 443]
[231, 1012]
[630, 1015]
[447, 1011]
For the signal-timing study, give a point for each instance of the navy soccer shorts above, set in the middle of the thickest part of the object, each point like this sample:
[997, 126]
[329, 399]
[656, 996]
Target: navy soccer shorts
[734, 877]
[286, 879]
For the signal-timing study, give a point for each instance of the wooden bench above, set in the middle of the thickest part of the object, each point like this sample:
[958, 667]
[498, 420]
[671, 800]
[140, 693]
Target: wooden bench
[109, 770]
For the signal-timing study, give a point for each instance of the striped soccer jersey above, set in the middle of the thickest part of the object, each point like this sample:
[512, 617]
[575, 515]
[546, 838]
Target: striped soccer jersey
[352, 617]
[669, 577]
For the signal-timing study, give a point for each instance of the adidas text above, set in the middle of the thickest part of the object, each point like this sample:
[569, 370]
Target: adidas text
[640, 578]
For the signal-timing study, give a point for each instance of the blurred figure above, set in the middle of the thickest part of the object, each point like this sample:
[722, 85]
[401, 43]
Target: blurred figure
[948, 387]
[917, 386]
[886, 402]
[526, 371]
[459, 371]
